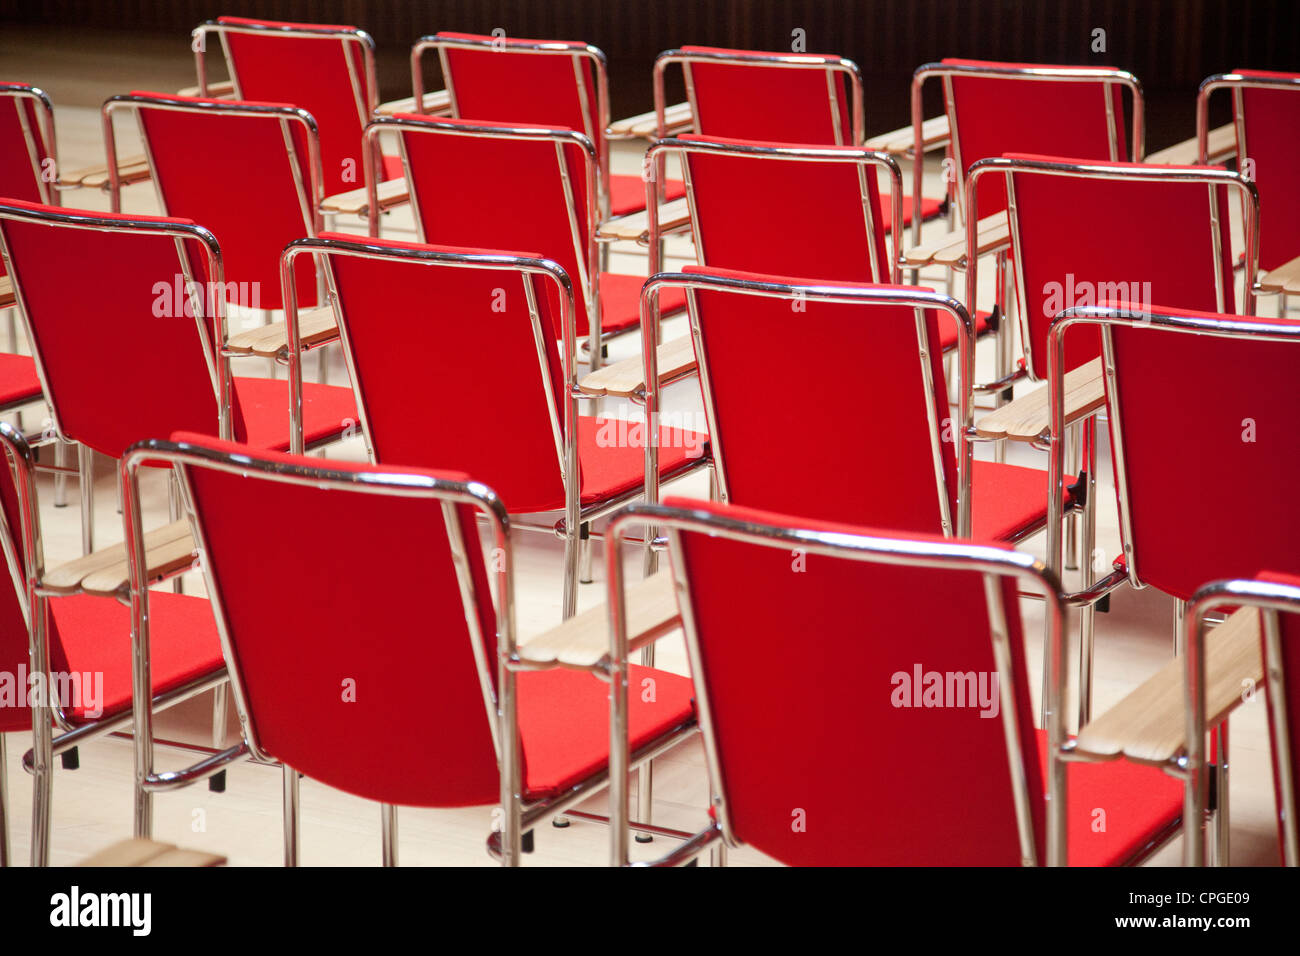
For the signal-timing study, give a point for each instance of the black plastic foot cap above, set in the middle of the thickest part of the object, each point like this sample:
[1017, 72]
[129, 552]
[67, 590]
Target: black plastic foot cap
[217, 782]
[70, 759]
[560, 823]
[644, 838]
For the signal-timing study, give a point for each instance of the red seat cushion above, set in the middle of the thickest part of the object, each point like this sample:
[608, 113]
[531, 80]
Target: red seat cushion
[18, 381]
[1008, 499]
[620, 301]
[1114, 809]
[929, 209]
[611, 454]
[93, 635]
[327, 410]
[948, 329]
[627, 193]
[564, 721]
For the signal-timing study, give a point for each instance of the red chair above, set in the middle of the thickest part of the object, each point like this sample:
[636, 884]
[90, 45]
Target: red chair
[532, 743]
[153, 359]
[801, 782]
[1266, 110]
[522, 434]
[524, 188]
[1275, 598]
[792, 99]
[329, 71]
[552, 83]
[80, 644]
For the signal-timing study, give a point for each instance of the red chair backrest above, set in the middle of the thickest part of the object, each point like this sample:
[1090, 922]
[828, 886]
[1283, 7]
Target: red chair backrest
[1272, 119]
[998, 114]
[768, 101]
[24, 154]
[509, 194]
[838, 761]
[787, 217]
[324, 74]
[14, 714]
[1161, 233]
[253, 193]
[443, 316]
[802, 444]
[386, 660]
[1210, 441]
[122, 359]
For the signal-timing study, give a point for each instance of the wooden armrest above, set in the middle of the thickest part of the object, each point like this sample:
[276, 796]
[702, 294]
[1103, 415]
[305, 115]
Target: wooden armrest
[436, 103]
[899, 142]
[1221, 145]
[635, 227]
[1285, 278]
[224, 90]
[167, 550]
[272, 341]
[392, 192]
[130, 169]
[677, 117]
[1026, 418]
[1149, 725]
[993, 233]
[583, 640]
[627, 378]
[7, 297]
[141, 852]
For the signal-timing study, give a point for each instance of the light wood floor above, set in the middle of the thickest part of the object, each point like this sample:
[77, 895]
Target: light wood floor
[92, 805]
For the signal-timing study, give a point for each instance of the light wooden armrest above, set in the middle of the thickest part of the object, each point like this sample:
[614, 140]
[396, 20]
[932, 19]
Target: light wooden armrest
[583, 640]
[392, 192]
[1149, 725]
[271, 341]
[1221, 144]
[1285, 278]
[899, 142]
[141, 852]
[130, 169]
[635, 227]
[167, 550]
[627, 378]
[993, 234]
[1026, 418]
[677, 118]
[224, 90]
[436, 103]
[7, 297]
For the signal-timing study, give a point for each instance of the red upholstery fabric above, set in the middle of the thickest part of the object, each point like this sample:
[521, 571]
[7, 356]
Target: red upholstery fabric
[1008, 500]
[1114, 810]
[20, 168]
[1001, 114]
[611, 455]
[93, 635]
[929, 209]
[768, 102]
[785, 217]
[253, 170]
[948, 329]
[620, 301]
[564, 721]
[1155, 232]
[1271, 119]
[803, 780]
[1237, 437]
[311, 72]
[13, 628]
[327, 411]
[18, 381]
[627, 193]
[1288, 624]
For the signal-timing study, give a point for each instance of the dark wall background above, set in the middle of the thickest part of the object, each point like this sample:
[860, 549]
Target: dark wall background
[1169, 44]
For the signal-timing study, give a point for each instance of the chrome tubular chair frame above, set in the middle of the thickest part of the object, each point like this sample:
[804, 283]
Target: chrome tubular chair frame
[1107, 78]
[1236, 82]
[993, 563]
[588, 258]
[48, 187]
[1270, 599]
[919, 300]
[582, 55]
[307, 177]
[1258, 330]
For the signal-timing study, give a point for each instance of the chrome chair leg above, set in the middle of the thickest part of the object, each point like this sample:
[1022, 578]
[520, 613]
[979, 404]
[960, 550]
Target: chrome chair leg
[584, 554]
[1222, 818]
[86, 476]
[290, 815]
[571, 548]
[1180, 615]
[645, 775]
[61, 449]
[388, 818]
